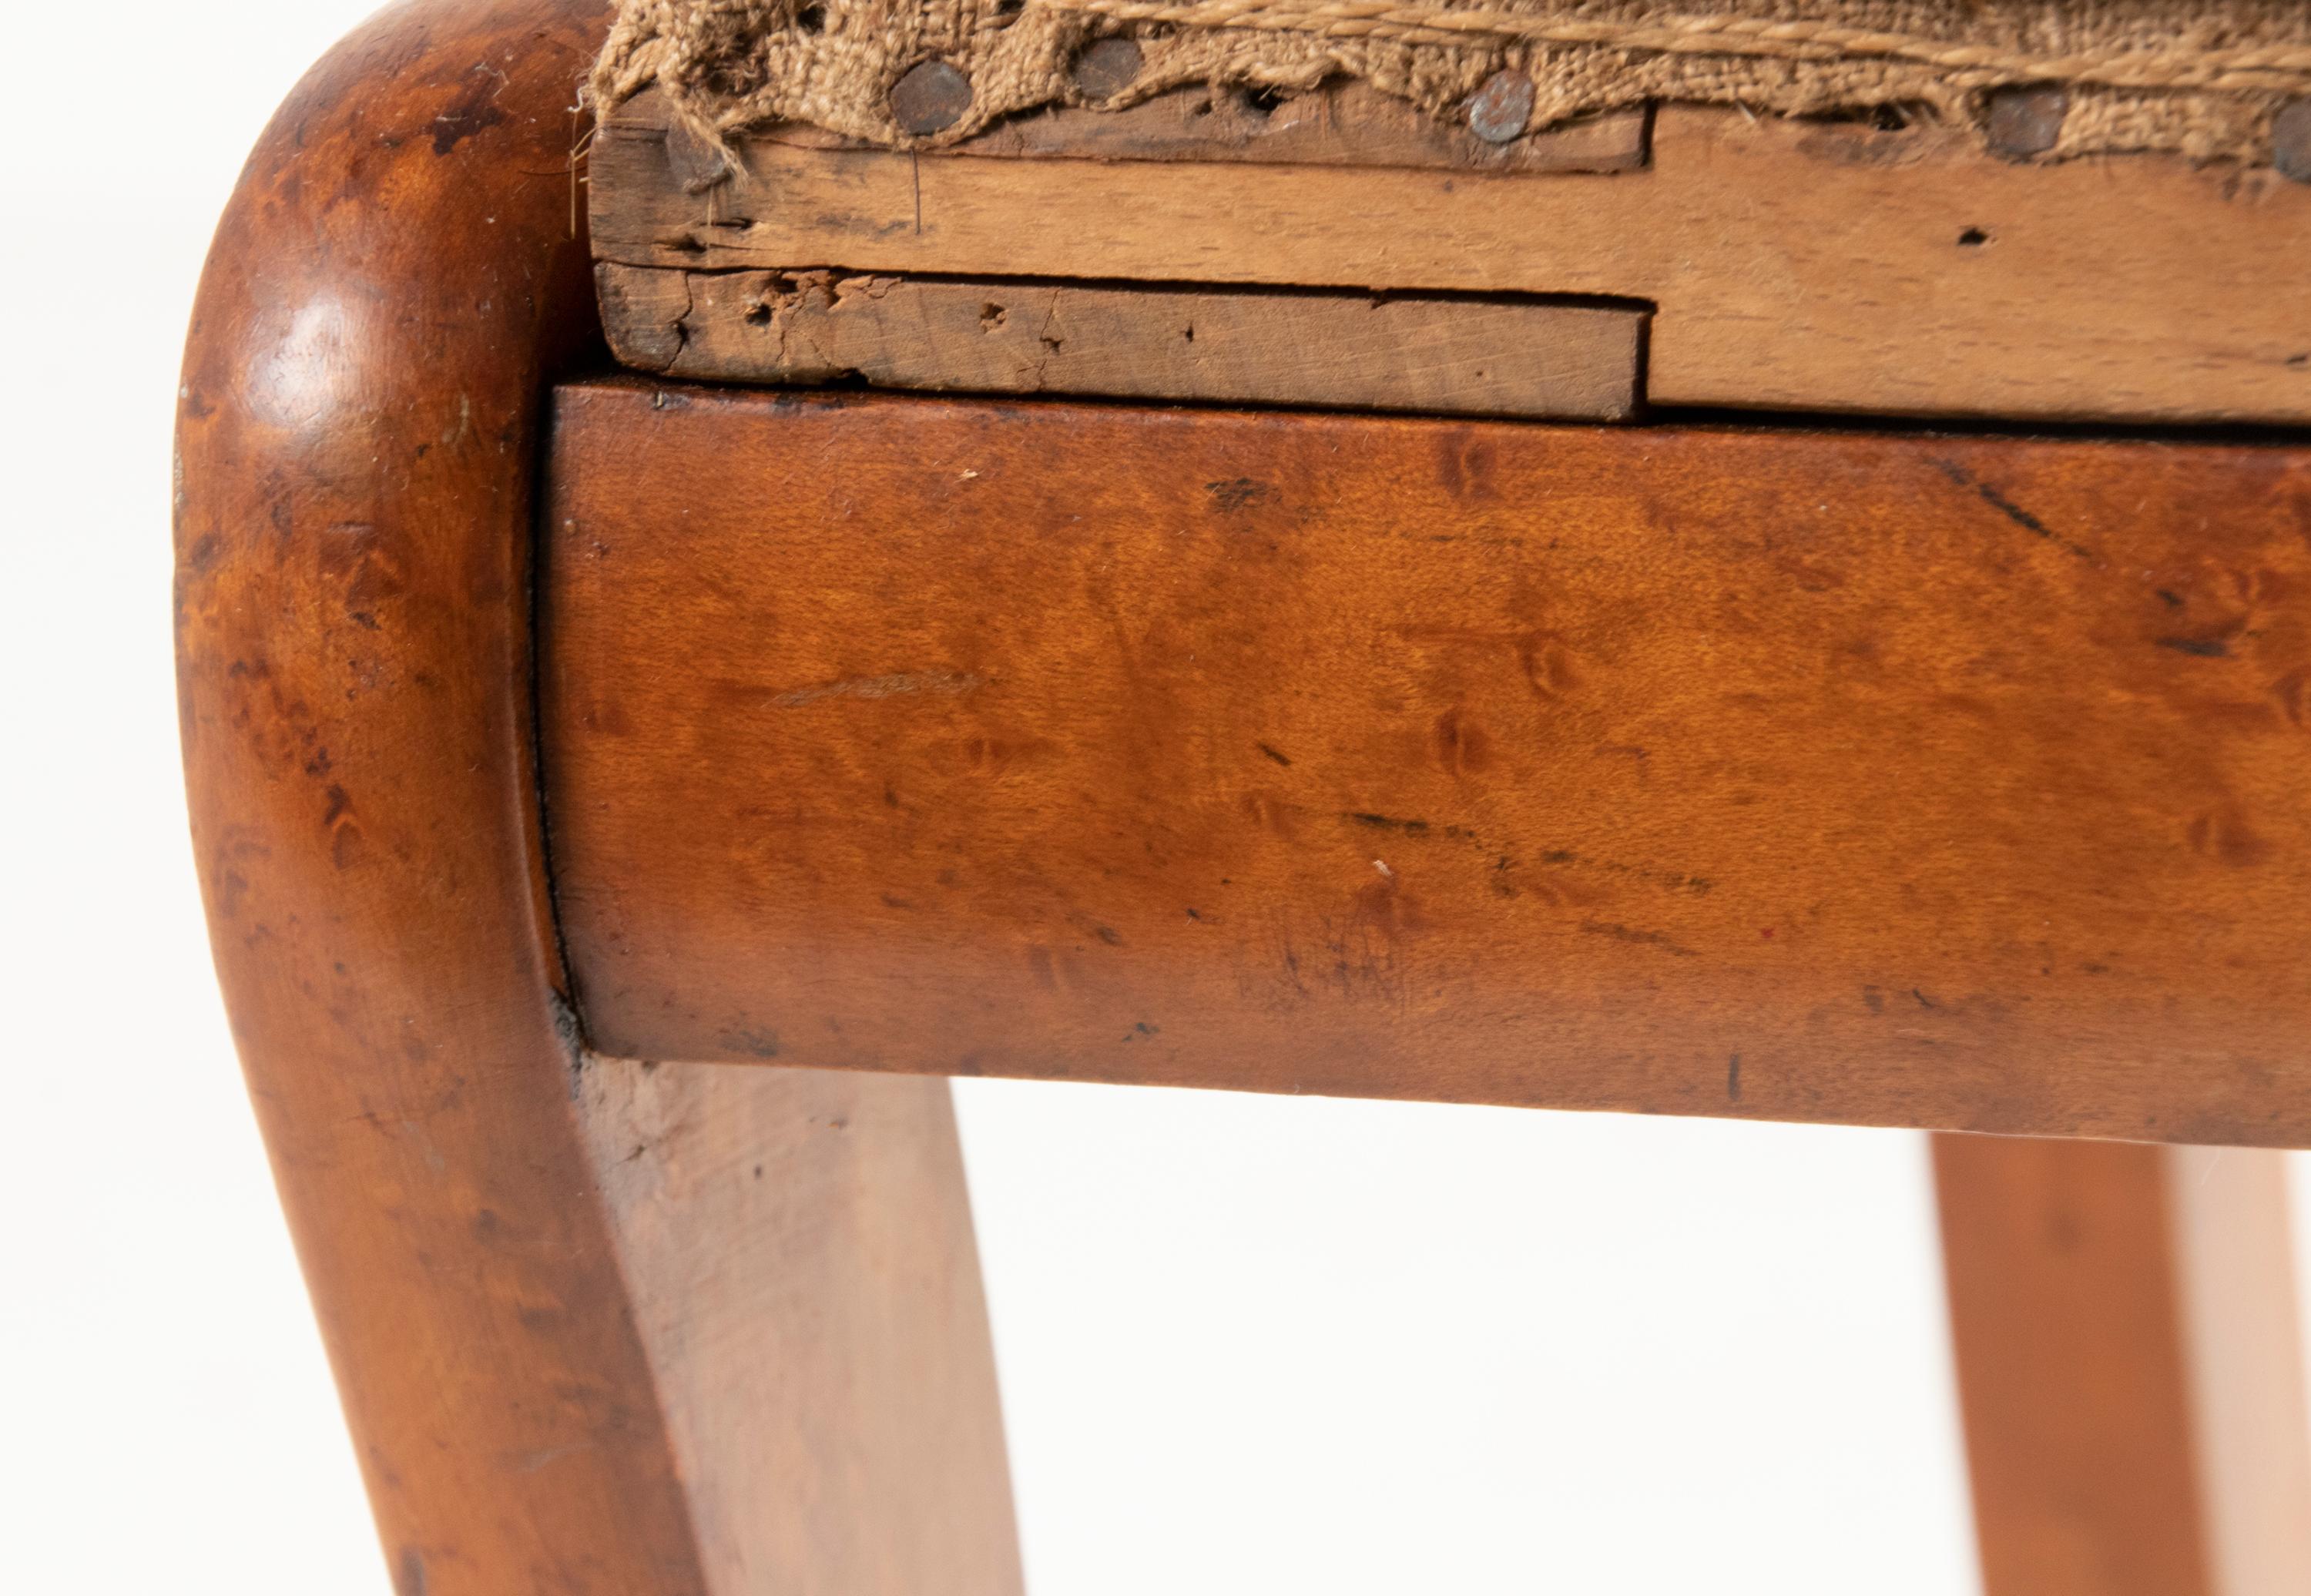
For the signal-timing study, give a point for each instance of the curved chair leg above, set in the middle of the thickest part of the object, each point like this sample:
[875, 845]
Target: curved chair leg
[494, 1229]
[2129, 1365]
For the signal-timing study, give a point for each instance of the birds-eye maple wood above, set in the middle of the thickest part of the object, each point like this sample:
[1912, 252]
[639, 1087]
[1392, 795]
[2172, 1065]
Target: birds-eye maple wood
[1943, 781]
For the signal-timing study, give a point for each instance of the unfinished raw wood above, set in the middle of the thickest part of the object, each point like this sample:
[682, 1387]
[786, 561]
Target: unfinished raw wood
[798, 1245]
[2130, 1367]
[1336, 123]
[1939, 781]
[1447, 355]
[1794, 266]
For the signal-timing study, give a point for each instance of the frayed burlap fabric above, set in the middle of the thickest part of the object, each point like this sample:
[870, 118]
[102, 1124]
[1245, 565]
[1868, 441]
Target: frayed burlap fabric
[2204, 78]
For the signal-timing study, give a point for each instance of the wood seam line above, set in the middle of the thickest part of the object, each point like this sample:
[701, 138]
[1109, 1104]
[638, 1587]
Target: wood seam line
[2284, 68]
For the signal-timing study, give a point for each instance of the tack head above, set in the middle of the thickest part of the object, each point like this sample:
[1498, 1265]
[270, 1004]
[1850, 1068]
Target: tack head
[1501, 109]
[930, 97]
[2026, 121]
[1105, 68]
[2291, 140]
[696, 164]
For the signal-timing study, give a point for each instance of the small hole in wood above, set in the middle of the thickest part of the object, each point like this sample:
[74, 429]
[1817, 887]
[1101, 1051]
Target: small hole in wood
[757, 315]
[991, 316]
[1973, 238]
[1260, 102]
[1879, 119]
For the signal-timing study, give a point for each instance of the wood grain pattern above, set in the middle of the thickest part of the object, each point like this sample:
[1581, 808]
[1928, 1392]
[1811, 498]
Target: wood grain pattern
[1515, 358]
[2129, 1367]
[1793, 265]
[394, 283]
[1934, 781]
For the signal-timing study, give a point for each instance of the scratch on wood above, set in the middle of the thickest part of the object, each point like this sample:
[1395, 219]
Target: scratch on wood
[891, 686]
[1620, 933]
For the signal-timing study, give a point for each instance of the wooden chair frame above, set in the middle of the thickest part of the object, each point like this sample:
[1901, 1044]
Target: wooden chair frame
[605, 1327]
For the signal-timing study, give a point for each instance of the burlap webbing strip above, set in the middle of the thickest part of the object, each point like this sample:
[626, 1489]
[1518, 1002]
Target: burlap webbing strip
[2202, 78]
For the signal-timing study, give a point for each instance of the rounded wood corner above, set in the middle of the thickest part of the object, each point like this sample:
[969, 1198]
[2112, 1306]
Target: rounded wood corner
[401, 271]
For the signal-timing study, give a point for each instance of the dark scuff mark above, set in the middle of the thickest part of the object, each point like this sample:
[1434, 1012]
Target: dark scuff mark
[473, 110]
[752, 1041]
[409, 1573]
[1273, 755]
[2202, 648]
[1387, 822]
[2009, 508]
[1241, 492]
[1620, 933]
[1733, 1079]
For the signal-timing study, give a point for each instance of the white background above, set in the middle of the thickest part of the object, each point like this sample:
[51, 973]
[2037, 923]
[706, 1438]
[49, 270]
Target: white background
[1247, 1345]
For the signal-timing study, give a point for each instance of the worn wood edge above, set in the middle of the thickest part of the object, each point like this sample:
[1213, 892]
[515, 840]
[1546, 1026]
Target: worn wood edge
[1340, 123]
[1825, 268]
[1466, 356]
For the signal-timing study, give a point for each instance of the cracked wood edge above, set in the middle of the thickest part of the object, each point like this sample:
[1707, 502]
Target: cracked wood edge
[1791, 266]
[1443, 355]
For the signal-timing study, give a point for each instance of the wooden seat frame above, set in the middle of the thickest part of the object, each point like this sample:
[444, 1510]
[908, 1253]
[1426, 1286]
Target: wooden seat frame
[607, 1326]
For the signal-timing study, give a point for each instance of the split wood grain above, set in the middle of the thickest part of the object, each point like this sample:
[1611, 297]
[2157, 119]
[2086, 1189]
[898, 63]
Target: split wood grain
[1793, 265]
[1953, 782]
[1442, 355]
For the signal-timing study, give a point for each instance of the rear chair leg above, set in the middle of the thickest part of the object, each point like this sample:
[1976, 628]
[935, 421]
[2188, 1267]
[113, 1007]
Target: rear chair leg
[2128, 1361]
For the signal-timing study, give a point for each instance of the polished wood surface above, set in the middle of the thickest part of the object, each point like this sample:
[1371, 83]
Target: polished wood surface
[2129, 1366]
[1792, 265]
[491, 1222]
[1948, 781]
